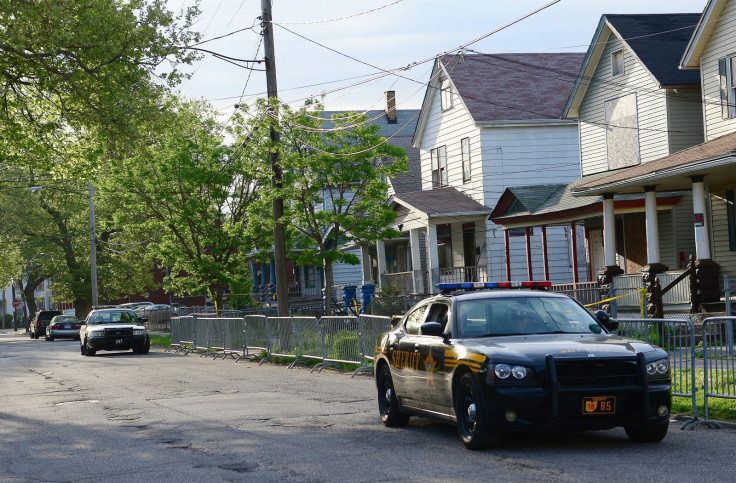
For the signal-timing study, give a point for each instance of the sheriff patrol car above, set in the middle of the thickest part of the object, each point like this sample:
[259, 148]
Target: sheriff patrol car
[503, 357]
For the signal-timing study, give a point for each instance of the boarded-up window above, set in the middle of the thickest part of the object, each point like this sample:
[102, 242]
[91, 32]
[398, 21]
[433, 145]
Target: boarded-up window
[723, 84]
[622, 132]
[445, 93]
[439, 167]
[465, 150]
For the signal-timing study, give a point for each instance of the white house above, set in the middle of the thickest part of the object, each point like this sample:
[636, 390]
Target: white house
[487, 122]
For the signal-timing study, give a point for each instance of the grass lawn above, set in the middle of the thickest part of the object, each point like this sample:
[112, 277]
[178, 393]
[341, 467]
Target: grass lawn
[719, 409]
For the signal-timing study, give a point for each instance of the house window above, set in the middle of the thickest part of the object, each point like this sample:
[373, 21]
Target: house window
[439, 167]
[465, 149]
[727, 75]
[445, 93]
[622, 132]
[617, 63]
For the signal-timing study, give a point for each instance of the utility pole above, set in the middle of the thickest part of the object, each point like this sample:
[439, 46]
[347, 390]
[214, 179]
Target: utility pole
[279, 242]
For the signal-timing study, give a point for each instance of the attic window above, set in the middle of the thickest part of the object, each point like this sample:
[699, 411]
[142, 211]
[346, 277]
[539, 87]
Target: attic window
[617, 63]
[445, 93]
[439, 167]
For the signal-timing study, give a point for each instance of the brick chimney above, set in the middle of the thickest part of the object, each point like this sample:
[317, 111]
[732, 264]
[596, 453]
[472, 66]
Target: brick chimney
[391, 107]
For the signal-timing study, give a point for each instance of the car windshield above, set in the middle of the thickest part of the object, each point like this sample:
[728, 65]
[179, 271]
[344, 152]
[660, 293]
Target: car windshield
[522, 316]
[112, 317]
[65, 319]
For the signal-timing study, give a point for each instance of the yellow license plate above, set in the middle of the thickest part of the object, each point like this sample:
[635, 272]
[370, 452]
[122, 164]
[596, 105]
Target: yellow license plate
[599, 405]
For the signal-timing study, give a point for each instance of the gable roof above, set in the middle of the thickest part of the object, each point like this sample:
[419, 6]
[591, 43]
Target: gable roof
[446, 201]
[656, 40]
[701, 35]
[505, 87]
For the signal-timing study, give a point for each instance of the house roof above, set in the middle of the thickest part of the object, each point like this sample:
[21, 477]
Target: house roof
[514, 87]
[714, 159]
[656, 40]
[399, 134]
[701, 35]
[555, 204]
[498, 88]
[446, 201]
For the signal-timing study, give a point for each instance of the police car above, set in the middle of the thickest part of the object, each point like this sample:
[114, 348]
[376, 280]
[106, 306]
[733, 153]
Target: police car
[503, 357]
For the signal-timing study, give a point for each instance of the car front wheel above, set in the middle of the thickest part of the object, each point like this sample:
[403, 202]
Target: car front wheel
[388, 404]
[146, 347]
[648, 433]
[86, 351]
[471, 418]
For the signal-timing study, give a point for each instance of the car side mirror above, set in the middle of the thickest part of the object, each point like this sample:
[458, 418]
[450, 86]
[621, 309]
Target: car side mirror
[605, 320]
[395, 321]
[432, 328]
[142, 320]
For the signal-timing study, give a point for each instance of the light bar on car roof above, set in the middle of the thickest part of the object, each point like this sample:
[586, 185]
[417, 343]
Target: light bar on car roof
[448, 287]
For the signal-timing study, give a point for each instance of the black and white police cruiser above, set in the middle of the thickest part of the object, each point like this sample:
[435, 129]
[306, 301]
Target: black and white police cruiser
[509, 356]
[113, 329]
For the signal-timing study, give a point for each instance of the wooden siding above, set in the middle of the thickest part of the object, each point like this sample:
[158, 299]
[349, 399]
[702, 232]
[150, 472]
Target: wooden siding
[447, 128]
[651, 110]
[685, 118]
[348, 274]
[721, 44]
[725, 258]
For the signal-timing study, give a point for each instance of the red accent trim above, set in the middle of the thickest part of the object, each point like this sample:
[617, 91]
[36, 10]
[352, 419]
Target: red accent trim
[574, 238]
[529, 270]
[545, 254]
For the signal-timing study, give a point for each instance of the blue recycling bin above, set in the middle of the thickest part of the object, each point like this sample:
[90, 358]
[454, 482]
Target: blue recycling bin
[349, 297]
[367, 291]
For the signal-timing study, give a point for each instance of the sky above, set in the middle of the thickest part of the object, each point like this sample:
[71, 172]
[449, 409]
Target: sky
[354, 51]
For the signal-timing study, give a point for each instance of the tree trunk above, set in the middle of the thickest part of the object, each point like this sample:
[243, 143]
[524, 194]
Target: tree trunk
[329, 281]
[29, 295]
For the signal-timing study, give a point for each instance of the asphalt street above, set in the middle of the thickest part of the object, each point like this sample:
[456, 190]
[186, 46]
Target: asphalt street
[170, 417]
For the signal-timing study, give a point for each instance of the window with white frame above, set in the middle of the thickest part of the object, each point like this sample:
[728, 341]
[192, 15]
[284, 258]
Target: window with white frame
[617, 63]
[465, 151]
[439, 167]
[727, 75]
[445, 93]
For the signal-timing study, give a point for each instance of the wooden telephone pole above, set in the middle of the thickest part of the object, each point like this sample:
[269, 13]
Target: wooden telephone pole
[279, 243]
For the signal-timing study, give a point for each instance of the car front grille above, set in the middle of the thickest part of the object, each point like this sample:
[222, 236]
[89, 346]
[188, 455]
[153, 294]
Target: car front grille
[598, 373]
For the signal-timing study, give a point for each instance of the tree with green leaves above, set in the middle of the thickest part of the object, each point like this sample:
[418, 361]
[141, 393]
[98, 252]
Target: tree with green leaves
[198, 201]
[78, 75]
[336, 185]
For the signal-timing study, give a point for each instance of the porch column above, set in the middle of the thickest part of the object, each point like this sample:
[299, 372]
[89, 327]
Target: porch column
[507, 251]
[650, 202]
[653, 266]
[528, 239]
[416, 261]
[545, 253]
[574, 243]
[702, 240]
[609, 231]
[434, 258]
[611, 268]
[706, 270]
[381, 260]
[254, 273]
[365, 263]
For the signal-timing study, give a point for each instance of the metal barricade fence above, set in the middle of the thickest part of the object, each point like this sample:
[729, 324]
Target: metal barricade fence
[308, 340]
[370, 327]
[201, 336]
[677, 337]
[256, 333]
[719, 361]
[281, 338]
[340, 340]
[182, 333]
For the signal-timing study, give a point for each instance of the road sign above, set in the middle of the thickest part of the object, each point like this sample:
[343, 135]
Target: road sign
[16, 302]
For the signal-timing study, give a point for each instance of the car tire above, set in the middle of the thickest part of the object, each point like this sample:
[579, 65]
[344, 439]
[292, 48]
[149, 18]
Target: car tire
[471, 417]
[648, 433]
[388, 404]
[86, 350]
[48, 338]
[146, 347]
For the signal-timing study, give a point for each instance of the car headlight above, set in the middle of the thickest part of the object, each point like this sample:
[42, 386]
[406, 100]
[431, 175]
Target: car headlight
[505, 371]
[139, 331]
[97, 333]
[661, 366]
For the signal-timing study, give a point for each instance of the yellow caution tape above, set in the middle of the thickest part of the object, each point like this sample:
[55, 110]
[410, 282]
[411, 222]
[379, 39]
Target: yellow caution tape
[640, 291]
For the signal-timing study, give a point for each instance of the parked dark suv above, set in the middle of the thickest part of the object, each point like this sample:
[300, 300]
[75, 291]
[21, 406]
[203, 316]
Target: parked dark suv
[40, 321]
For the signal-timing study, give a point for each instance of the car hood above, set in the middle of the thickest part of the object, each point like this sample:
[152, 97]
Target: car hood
[121, 325]
[530, 348]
